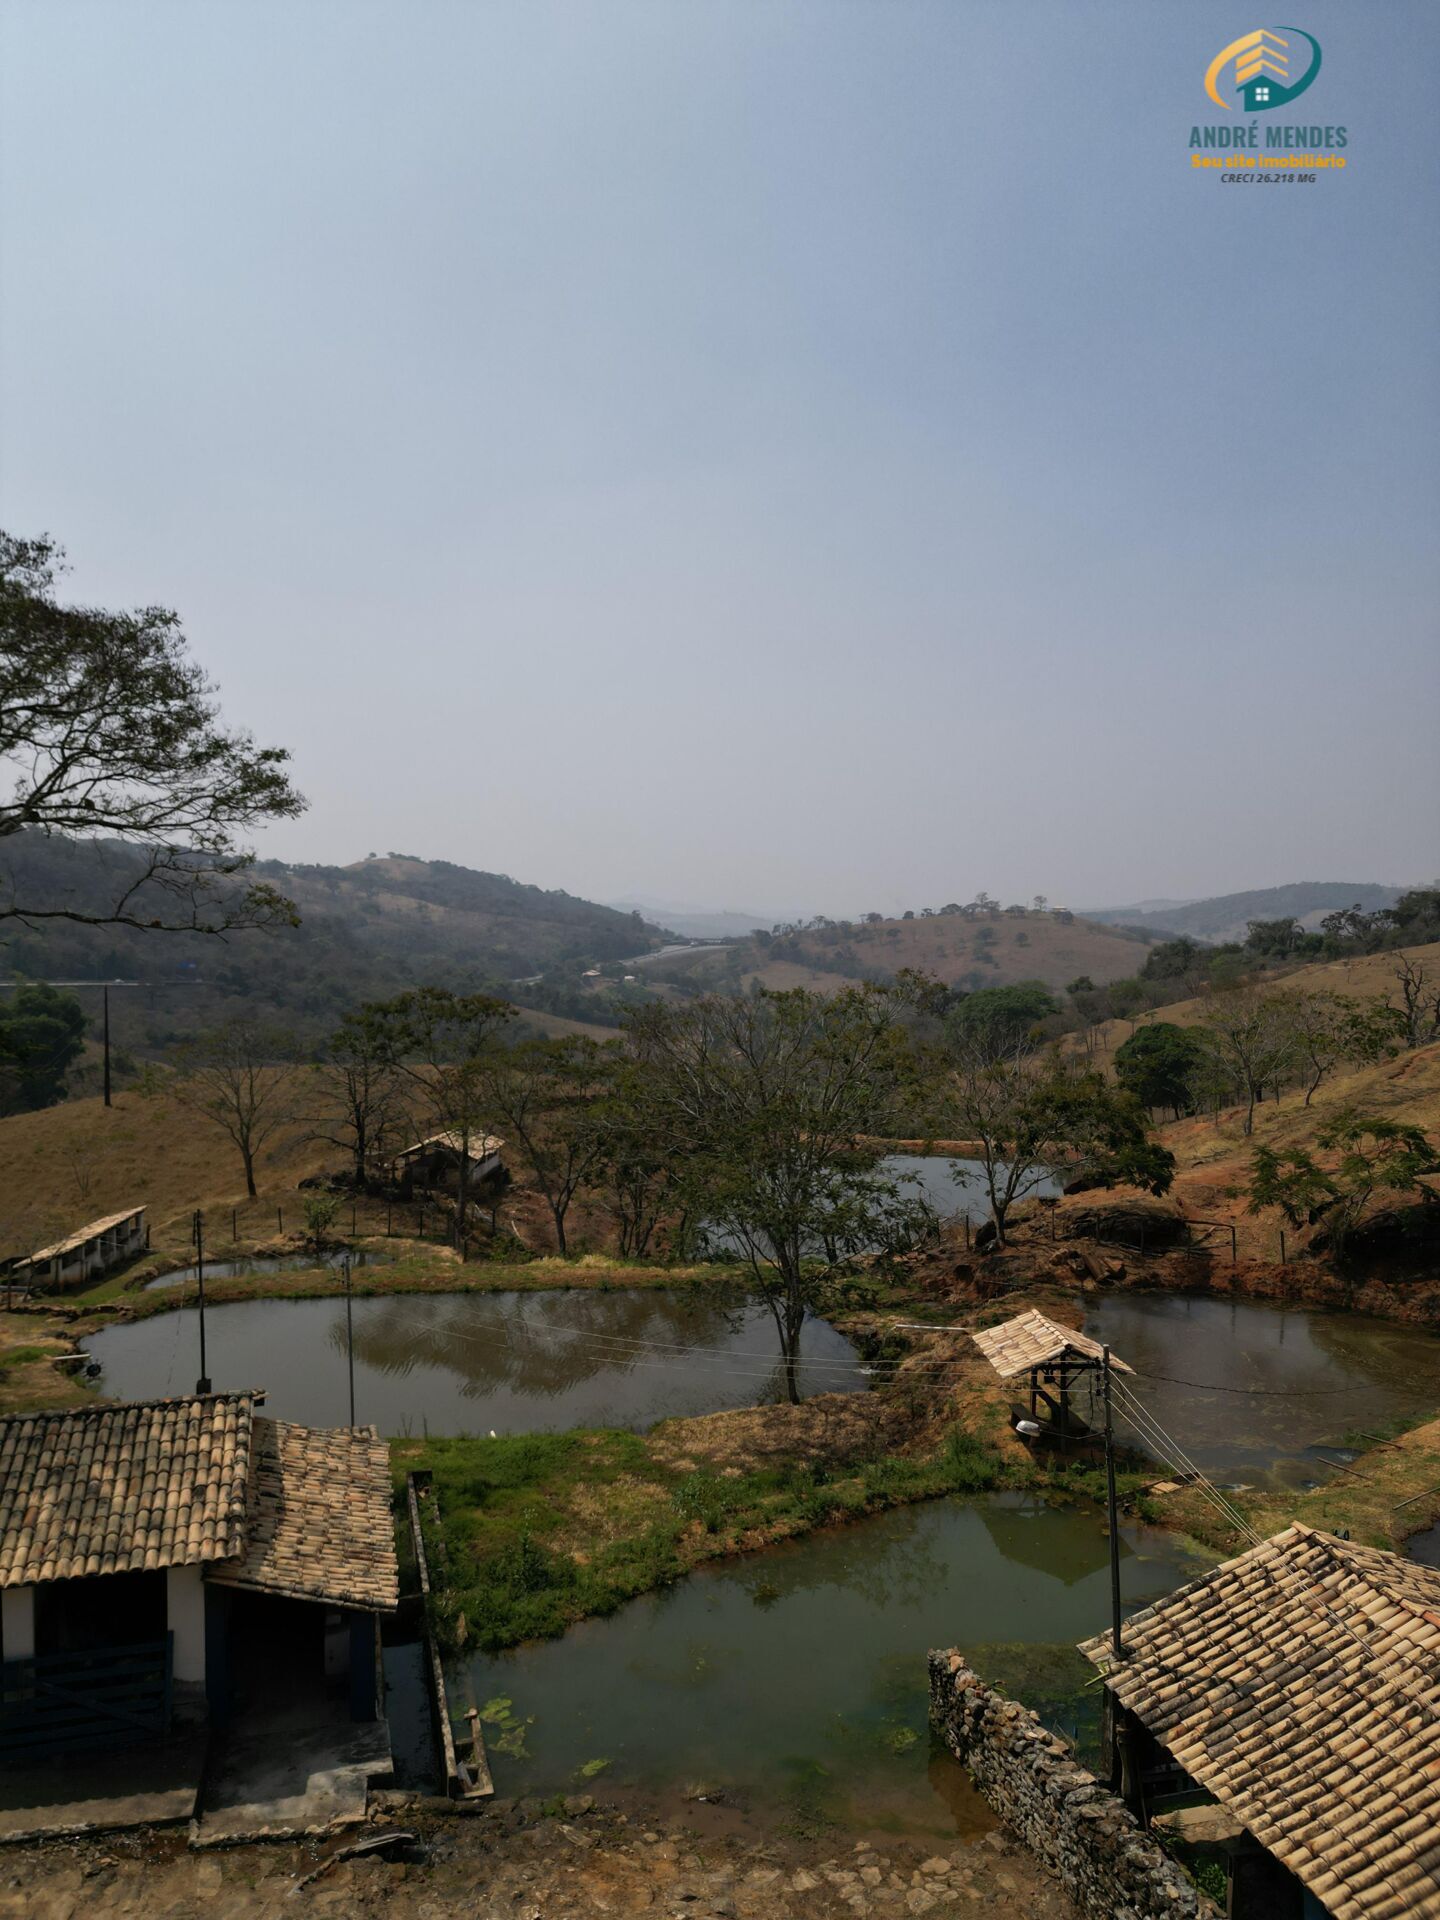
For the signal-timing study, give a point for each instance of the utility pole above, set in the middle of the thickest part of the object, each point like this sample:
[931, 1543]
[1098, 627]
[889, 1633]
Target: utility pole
[1112, 1514]
[105, 1002]
[350, 1337]
[202, 1385]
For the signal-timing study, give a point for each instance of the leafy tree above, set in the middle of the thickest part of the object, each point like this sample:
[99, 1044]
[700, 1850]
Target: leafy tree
[1370, 1155]
[1030, 1114]
[1158, 1064]
[996, 1019]
[116, 735]
[1251, 1040]
[545, 1094]
[42, 1035]
[241, 1078]
[1273, 936]
[1329, 1028]
[1181, 959]
[766, 1102]
[441, 1042]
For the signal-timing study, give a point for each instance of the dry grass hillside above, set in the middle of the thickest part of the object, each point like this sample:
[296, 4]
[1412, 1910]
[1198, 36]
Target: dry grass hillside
[1213, 1155]
[957, 950]
[73, 1163]
[1369, 976]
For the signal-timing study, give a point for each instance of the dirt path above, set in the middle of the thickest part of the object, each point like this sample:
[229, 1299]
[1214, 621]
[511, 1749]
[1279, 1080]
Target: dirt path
[578, 1866]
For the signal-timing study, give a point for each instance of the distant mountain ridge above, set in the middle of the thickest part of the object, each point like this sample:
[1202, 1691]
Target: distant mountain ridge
[1226, 915]
[695, 922]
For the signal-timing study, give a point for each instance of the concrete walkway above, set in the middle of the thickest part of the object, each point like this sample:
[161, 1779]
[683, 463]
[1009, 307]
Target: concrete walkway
[289, 1774]
[144, 1786]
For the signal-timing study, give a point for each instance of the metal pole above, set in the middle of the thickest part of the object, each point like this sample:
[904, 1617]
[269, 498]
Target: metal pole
[1113, 1516]
[105, 1000]
[202, 1385]
[350, 1339]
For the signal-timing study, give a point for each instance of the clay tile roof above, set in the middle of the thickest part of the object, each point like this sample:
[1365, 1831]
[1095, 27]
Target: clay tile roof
[1300, 1683]
[319, 1525]
[1030, 1340]
[111, 1489]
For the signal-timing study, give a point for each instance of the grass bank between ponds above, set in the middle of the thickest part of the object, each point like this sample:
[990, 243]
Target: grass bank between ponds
[1389, 1490]
[539, 1531]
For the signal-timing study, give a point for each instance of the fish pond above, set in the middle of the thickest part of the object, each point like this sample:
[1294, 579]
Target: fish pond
[1255, 1392]
[468, 1362]
[794, 1680]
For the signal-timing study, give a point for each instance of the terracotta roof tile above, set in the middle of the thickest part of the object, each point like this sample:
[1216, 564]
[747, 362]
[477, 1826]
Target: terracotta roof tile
[1300, 1683]
[158, 1483]
[318, 1525]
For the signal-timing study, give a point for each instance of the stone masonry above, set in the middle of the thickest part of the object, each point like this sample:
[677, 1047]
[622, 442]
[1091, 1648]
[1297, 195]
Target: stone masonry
[1088, 1839]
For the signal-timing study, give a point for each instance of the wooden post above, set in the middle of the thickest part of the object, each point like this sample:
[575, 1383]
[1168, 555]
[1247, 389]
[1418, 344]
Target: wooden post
[1234, 1247]
[1282, 1246]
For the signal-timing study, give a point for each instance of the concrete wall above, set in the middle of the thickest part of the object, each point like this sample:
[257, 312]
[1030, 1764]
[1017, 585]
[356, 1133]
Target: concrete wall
[1093, 1845]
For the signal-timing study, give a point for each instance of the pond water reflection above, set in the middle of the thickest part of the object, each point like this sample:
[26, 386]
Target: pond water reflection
[466, 1362]
[796, 1678]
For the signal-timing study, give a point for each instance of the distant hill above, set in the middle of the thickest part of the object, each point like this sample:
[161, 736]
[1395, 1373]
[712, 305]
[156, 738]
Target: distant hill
[1225, 916]
[961, 949]
[697, 923]
[367, 930]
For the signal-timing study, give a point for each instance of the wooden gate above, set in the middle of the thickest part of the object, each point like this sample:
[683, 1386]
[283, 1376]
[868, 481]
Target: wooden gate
[107, 1697]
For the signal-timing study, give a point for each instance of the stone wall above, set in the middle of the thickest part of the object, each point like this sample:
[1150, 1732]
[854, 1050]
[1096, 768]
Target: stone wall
[1094, 1846]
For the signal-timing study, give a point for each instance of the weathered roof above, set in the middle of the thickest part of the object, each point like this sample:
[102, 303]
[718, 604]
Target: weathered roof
[159, 1483]
[82, 1234]
[1030, 1340]
[318, 1523]
[1300, 1683]
[480, 1144]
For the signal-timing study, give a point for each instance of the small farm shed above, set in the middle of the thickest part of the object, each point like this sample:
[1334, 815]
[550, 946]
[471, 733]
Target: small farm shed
[435, 1161]
[1283, 1713]
[89, 1252]
[172, 1560]
[1053, 1358]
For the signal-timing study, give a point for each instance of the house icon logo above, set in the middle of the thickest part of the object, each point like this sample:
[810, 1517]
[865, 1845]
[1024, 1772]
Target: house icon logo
[1267, 68]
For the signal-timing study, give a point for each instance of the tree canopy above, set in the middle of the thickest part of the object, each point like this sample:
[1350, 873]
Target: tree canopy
[42, 1035]
[110, 731]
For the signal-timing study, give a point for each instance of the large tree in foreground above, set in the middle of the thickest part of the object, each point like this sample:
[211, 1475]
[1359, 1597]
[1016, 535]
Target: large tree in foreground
[109, 731]
[763, 1104]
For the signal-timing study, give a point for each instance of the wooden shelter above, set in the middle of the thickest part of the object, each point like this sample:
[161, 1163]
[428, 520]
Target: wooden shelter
[1053, 1357]
[1297, 1688]
[435, 1161]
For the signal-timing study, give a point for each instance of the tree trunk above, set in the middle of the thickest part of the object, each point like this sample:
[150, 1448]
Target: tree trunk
[557, 1212]
[792, 1361]
[249, 1159]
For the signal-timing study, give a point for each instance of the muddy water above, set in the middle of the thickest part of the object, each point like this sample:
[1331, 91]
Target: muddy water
[795, 1679]
[1254, 1392]
[467, 1363]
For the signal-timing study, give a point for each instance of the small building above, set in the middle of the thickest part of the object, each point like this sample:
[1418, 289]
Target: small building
[435, 1161]
[87, 1253]
[1282, 1713]
[1054, 1359]
[174, 1561]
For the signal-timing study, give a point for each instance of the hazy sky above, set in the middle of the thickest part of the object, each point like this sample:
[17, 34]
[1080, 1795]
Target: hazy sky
[792, 456]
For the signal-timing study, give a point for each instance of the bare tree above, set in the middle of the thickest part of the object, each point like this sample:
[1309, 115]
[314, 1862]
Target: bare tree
[359, 1095]
[1419, 999]
[545, 1095]
[113, 734]
[242, 1078]
[1251, 1040]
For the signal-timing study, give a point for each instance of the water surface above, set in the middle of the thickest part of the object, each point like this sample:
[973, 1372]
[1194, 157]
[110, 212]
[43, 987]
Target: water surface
[795, 1679]
[467, 1363]
[1253, 1391]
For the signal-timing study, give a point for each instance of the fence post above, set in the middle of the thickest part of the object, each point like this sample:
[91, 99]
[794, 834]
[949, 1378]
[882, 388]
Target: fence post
[1282, 1246]
[352, 1219]
[1234, 1247]
[967, 1231]
[234, 1223]
[280, 1219]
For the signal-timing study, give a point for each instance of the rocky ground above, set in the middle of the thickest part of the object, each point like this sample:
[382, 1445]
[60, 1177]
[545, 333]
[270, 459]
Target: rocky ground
[502, 1865]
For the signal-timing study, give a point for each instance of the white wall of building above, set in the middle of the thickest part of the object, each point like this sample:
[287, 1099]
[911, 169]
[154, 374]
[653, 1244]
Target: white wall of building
[185, 1617]
[17, 1621]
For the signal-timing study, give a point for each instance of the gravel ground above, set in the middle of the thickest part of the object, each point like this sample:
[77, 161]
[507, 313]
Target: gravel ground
[504, 1865]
